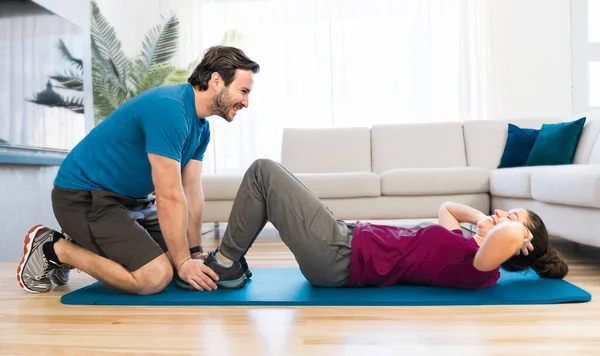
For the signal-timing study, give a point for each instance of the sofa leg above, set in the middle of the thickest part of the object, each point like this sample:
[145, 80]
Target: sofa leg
[206, 228]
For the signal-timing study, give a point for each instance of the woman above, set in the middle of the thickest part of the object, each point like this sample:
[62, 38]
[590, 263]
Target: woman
[331, 253]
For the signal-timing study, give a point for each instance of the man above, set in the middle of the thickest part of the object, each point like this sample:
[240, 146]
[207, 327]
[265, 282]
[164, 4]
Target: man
[114, 228]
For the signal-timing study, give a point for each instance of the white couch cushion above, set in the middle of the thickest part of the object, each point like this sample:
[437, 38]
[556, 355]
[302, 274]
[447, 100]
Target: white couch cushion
[221, 186]
[326, 150]
[485, 139]
[512, 182]
[576, 184]
[342, 185]
[435, 181]
[424, 145]
[588, 149]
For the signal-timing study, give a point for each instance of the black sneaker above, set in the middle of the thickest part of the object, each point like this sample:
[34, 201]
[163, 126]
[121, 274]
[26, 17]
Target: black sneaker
[244, 264]
[245, 268]
[229, 277]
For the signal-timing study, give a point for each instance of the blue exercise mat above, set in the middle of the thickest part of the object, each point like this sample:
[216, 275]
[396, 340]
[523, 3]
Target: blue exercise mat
[288, 287]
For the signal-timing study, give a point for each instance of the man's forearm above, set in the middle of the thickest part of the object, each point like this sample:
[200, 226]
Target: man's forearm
[195, 208]
[464, 213]
[172, 216]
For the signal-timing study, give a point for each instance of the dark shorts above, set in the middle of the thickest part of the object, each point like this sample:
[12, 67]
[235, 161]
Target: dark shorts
[114, 226]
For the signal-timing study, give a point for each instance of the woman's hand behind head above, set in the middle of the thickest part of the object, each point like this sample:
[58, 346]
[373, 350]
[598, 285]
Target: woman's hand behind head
[484, 226]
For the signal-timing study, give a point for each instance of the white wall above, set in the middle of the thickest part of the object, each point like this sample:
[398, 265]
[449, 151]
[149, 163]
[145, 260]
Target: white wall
[25, 193]
[531, 50]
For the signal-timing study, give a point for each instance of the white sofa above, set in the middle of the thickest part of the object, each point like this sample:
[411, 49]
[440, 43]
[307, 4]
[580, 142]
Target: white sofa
[405, 171]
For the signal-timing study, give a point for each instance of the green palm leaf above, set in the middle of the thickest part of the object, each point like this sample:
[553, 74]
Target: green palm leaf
[107, 98]
[62, 48]
[75, 104]
[233, 38]
[69, 79]
[108, 45]
[154, 77]
[177, 76]
[160, 44]
[104, 69]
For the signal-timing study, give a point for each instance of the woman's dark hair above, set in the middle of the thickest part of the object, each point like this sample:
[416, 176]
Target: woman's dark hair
[544, 260]
[223, 60]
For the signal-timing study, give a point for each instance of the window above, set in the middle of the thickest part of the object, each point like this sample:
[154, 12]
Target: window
[586, 54]
[37, 111]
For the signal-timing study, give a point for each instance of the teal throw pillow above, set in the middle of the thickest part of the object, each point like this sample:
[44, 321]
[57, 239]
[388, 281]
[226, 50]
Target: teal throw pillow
[556, 143]
[519, 143]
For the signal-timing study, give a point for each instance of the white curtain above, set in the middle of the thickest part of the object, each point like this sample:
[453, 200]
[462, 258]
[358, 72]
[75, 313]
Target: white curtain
[28, 56]
[346, 63]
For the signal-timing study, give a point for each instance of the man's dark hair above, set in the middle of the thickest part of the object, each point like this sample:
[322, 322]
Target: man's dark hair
[223, 60]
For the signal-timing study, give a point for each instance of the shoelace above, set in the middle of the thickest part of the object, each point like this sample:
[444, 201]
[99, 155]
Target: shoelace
[46, 270]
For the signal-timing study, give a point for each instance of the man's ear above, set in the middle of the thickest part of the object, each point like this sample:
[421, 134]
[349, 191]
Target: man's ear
[216, 81]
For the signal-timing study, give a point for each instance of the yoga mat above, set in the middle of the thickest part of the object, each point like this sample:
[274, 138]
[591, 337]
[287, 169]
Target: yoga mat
[288, 287]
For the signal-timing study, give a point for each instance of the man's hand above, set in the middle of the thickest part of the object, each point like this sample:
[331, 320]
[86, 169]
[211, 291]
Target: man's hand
[197, 274]
[200, 256]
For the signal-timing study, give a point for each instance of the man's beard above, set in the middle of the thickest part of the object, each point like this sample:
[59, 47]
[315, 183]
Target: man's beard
[222, 104]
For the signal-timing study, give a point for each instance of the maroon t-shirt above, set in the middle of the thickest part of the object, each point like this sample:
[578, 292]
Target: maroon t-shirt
[385, 255]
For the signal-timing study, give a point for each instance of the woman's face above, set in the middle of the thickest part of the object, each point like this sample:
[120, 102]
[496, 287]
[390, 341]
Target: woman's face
[500, 216]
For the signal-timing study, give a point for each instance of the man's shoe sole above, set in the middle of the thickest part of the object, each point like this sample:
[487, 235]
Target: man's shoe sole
[233, 283]
[27, 243]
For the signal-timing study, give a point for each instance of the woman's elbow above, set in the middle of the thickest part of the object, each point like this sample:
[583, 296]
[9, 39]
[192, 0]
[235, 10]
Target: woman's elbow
[502, 243]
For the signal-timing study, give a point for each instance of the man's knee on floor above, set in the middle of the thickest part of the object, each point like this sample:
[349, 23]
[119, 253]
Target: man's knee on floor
[154, 277]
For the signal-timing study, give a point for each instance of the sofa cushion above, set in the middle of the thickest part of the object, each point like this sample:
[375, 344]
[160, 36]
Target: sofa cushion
[220, 186]
[512, 182]
[577, 185]
[342, 185]
[326, 150]
[519, 143]
[423, 145]
[556, 144]
[588, 149]
[485, 140]
[435, 181]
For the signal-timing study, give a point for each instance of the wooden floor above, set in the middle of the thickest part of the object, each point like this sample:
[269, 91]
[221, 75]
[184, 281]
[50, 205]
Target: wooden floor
[41, 325]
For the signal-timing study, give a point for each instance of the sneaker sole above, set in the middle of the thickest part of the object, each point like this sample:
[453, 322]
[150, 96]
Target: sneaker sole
[27, 242]
[233, 283]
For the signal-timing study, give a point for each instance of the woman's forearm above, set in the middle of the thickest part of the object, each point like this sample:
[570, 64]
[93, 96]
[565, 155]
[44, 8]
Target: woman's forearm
[464, 213]
[502, 242]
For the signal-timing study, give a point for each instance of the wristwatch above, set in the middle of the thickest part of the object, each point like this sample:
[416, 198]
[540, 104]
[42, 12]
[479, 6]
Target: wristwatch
[196, 249]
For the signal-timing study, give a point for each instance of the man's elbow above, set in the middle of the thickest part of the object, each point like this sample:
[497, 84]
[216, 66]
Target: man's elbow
[170, 197]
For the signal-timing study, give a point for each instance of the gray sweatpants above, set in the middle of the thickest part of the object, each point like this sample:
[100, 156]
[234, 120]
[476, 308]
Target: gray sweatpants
[319, 242]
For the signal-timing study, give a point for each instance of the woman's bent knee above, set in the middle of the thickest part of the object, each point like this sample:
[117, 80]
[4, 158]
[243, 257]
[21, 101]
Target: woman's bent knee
[154, 277]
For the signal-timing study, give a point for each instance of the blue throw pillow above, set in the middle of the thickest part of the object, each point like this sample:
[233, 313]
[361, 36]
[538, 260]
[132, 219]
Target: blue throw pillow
[556, 144]
[519, 143]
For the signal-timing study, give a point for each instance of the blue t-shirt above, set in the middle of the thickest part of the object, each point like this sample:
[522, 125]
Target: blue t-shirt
[114, 155]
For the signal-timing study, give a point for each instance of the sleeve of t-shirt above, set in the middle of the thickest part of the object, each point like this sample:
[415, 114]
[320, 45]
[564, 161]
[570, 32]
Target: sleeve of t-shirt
[166, 129]
[199, 154]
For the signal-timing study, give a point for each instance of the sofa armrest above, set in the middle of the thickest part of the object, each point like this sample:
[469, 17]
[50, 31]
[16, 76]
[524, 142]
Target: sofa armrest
[575, 184]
